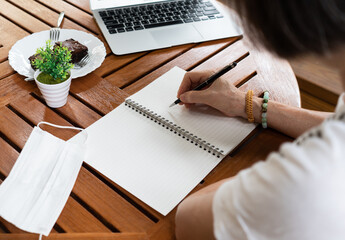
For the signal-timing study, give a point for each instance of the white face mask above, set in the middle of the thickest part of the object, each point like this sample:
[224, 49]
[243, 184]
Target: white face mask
[39, 184]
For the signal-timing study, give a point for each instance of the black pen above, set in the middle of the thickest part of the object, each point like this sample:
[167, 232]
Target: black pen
[210, 80]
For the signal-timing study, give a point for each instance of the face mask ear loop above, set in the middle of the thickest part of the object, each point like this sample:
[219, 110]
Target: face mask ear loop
[59, 126]
[65, 127]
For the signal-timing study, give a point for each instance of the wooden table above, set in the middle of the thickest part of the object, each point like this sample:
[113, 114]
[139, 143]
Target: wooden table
[97, 207]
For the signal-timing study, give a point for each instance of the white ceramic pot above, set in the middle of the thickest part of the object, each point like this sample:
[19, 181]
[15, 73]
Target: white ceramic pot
[55, 95]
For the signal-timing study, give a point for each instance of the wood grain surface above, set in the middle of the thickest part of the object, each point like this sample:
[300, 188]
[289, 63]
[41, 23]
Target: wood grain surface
[99, 208]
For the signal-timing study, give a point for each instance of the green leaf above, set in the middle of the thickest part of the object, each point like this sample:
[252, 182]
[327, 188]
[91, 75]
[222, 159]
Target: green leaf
[55, 61]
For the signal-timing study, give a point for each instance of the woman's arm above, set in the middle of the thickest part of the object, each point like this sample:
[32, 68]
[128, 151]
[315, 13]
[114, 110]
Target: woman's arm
[228, 99]
[194, 217]
[289, 120]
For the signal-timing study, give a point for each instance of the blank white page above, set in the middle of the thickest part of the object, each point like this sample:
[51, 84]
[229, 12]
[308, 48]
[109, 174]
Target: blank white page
[151, 162]
[205, 122]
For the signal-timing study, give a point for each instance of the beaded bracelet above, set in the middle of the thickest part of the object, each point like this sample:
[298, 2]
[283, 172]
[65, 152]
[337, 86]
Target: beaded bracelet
[249, 106]
[264, 110]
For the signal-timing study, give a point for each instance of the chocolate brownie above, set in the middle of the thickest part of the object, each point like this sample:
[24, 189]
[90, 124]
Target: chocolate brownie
[77, 49]
[32, 58]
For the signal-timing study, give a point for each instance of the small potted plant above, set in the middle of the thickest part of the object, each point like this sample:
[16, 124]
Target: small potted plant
[53, 74]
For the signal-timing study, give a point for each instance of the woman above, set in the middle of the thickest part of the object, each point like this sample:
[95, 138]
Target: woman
[298, 192]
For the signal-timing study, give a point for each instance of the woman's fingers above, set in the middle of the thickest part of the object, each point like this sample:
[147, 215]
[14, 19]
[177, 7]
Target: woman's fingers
[195, 97]
[192, 80]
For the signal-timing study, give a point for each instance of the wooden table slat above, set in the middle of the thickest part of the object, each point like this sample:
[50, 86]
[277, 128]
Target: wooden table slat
[113, 63]
[77, 236]
[5, 69]
[10, 33]
[8, 157]
[164, 229]
[318, 79]
[14, 128]
[187, 61]
[113, 208]
[45, 15]
[35, 111]
[14, 87]
[82, 4]
[276, 76]
[26, 21]
[144, 208]
[77, 15]
[252, 152]
[13, 229]
[314, 103]
[98, 93]
[75, 218]
[144, 65]
[73, 112]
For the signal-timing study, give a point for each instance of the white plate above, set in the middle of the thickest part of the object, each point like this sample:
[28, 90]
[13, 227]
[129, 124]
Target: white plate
[24, 48]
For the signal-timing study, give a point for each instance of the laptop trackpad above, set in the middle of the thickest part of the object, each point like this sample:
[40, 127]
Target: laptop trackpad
[176, 35]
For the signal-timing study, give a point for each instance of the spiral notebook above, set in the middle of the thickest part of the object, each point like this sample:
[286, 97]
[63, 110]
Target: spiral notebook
[159, 154]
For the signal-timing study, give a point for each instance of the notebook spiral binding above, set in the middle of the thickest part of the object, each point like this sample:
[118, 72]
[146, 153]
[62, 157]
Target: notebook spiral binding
[174, 128]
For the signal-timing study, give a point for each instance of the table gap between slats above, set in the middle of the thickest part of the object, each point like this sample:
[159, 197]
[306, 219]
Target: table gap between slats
[3, 228]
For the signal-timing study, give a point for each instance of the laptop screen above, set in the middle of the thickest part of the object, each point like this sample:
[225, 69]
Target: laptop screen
[102, 4]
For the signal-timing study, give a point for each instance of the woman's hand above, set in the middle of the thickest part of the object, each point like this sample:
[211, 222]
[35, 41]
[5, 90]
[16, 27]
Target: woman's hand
[221, 95]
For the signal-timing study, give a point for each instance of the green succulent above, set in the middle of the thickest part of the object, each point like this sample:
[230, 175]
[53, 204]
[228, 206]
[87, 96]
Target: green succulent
[54, 62]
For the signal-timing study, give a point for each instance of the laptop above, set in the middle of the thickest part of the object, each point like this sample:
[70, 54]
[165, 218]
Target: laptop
[131, 26]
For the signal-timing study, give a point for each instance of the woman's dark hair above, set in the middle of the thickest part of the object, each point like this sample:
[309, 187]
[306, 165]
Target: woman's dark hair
[293, 27]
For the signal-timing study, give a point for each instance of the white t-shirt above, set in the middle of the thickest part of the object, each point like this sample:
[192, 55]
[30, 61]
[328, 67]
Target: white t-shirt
[298, 193]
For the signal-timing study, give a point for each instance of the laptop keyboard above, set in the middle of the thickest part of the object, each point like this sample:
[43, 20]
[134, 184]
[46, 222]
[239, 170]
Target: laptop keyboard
[136, 18]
